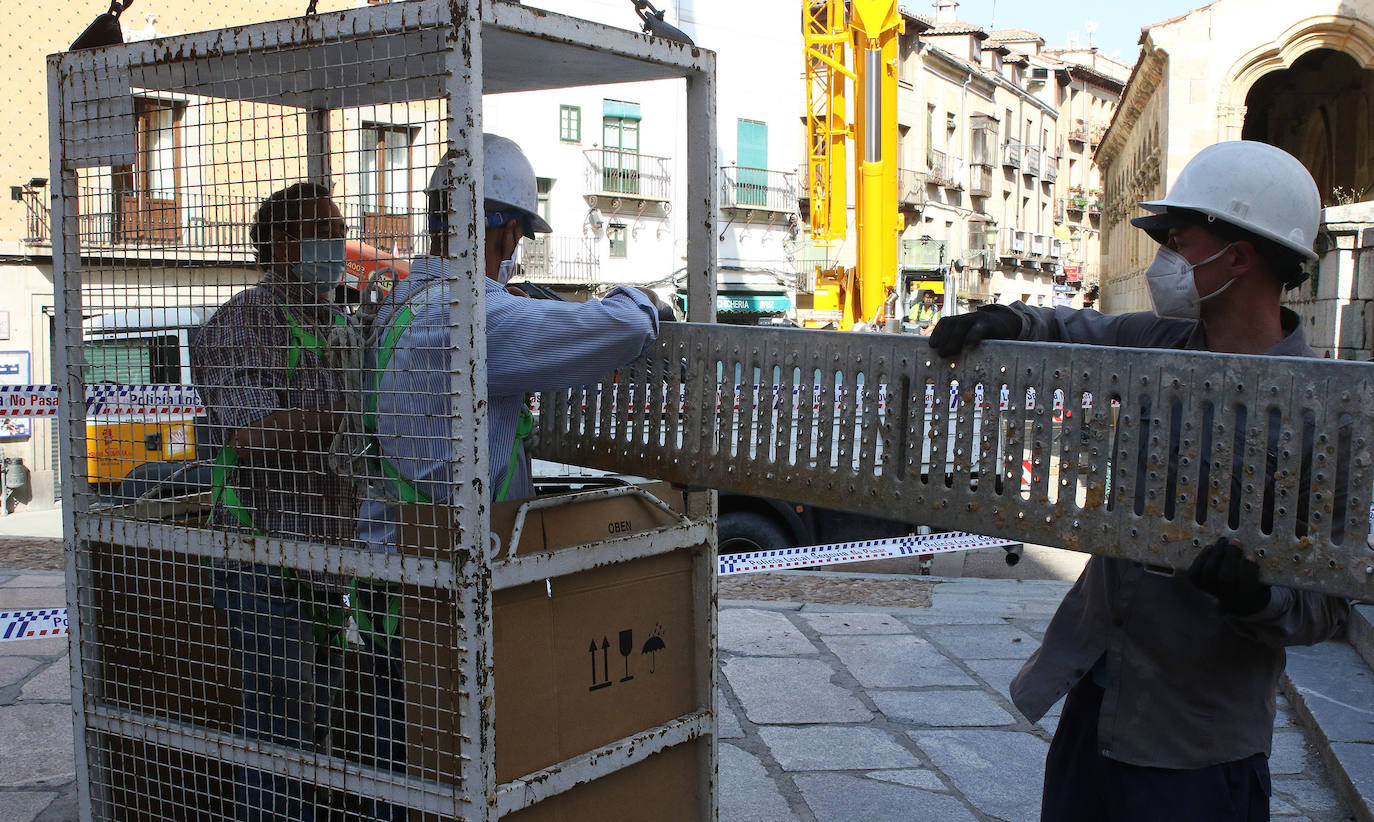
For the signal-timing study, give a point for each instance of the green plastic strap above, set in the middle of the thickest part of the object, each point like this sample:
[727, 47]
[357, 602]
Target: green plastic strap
[302, 340]
[523, 429]
[398, 326]
[222, 492]
[390, 625]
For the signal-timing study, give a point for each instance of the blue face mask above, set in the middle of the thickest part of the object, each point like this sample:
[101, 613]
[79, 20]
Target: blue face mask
[322, 263]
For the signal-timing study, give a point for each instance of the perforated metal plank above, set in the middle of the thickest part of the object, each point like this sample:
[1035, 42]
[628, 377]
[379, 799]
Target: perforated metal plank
[1144, 454]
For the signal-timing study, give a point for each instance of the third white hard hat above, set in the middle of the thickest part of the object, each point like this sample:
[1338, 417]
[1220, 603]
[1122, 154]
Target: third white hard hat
[1253, 186]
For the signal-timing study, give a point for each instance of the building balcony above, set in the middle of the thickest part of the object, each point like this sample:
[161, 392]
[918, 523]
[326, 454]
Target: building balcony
[1049, 171]
[1031, 167]
[615, 176]
[923, 255]
[946, 170]
[1011, 155]
[980, 181]
[975, 285]
[757, 189]
[1060, 210]
[561, 260]
[1078, 135]
[911, 187]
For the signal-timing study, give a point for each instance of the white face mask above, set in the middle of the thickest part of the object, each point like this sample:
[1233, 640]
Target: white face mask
[1173, 291]
[507, 268]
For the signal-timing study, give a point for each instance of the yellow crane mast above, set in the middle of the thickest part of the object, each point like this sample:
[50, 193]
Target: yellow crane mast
[865, 32]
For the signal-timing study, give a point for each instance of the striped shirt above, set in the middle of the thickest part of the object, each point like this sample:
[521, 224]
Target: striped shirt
[532, 345]
[239, 368]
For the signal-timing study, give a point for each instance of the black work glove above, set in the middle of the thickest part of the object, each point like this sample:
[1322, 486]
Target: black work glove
[991, 322]
[1223, 571]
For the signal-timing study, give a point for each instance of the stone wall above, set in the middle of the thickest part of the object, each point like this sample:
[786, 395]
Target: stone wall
[1335, 304]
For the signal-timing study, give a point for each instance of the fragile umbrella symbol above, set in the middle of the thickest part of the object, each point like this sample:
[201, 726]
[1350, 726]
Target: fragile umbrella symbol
[652, 646]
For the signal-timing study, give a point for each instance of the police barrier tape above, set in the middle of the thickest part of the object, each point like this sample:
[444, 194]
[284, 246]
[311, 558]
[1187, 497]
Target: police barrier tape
[52, 622]
[102, 400]
[41, 624]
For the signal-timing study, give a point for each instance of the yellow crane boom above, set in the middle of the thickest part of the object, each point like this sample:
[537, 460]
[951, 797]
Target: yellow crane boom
[865, 32]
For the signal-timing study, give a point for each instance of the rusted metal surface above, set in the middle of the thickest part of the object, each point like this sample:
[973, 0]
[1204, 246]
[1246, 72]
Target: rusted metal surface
[265, 105]
[1149, 454]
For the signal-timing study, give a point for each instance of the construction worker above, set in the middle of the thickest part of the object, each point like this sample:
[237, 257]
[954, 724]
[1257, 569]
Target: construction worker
[274, 397]
[532, 345]
[925, 313]
[1170, 680]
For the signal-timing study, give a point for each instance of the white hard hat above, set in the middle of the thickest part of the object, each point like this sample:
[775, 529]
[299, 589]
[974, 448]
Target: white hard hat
[1250, 185]
[508, 180]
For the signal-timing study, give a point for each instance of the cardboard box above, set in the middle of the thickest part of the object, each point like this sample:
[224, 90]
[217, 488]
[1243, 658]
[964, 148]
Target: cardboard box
[580, 662]
[609, 654]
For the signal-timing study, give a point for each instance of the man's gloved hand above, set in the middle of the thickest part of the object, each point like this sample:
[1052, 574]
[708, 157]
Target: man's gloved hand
[664, 309]
[1223, 571]
[993, 322]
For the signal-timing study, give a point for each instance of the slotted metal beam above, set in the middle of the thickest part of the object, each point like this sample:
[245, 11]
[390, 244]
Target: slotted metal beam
[1146, 454]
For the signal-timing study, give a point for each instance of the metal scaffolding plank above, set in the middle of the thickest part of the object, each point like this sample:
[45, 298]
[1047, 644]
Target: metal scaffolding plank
[1143, 454]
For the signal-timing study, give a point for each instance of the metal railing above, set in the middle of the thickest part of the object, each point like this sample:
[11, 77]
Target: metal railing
[927, 255]
[557, 259]
[946, 169]
[1078, 135]
[911, 187]
[1032, 166]
[1136, 454]
[212, 224]
[37, 220]
[1049, 171]
[757, 188]
[615, 173]
[1011, 155]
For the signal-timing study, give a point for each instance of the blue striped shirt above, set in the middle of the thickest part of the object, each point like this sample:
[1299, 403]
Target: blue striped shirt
[532, 345]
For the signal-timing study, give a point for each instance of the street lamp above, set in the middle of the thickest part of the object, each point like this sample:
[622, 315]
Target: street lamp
[990, 231]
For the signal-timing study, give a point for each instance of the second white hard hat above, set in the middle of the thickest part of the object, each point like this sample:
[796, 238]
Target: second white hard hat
[507, 179]
[1253, 186]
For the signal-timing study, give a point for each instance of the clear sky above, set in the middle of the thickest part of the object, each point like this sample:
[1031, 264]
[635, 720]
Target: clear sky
[1118, 24]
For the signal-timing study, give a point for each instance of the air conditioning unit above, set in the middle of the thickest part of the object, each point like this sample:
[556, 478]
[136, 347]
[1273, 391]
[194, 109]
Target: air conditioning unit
[1039, 75]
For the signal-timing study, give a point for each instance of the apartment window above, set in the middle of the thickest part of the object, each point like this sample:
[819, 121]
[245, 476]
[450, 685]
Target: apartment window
[620, 146]
[384, 171]
[616, 234]
[147, 200]
[570, 124]
[982, 140]
[543, 187]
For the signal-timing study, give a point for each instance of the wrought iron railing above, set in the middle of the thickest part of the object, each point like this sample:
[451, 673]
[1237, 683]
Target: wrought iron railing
[757, 188]
[945, 169]
[37, 220]
[1032, 166]
[980, 180]
[615, 173]
[1011, 155]
[555, 259]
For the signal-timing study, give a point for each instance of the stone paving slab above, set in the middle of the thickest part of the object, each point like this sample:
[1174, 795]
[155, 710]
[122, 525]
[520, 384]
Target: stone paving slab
[848, 624]
[1289, 754]
[25, 806]
[15, 599]
[983, 641]
[45, 647]
[751, 632]
[52, 684]
[979, 763]
[791, 691]
[1357, 762]
[747, 792]
[911, 777]
[895, 662]
[28, 730]
[844, 798]
[942, 709]
[13, 669]
[835, 748]
[28, 580]
[1336, 688]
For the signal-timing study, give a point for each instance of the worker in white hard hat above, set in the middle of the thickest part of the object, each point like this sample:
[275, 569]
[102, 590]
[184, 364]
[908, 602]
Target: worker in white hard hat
[1170, 680]
[532, 344]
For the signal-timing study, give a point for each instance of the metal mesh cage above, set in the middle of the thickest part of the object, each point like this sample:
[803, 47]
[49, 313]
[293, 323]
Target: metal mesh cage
[277, 614]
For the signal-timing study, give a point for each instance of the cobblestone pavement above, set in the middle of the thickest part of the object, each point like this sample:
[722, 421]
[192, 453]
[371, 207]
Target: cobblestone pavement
[828, 712]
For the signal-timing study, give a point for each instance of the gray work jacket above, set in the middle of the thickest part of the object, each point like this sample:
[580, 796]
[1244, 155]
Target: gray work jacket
[1187, 686]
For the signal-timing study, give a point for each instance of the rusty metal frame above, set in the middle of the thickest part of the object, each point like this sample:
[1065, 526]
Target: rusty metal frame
[878, 423]
[474, 46]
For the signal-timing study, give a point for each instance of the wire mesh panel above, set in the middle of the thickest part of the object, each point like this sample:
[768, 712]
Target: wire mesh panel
[278, 497]
[1119, 452]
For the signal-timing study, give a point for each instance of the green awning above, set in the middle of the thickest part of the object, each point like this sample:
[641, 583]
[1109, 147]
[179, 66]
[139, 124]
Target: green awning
[759, 303]
[620, 108]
